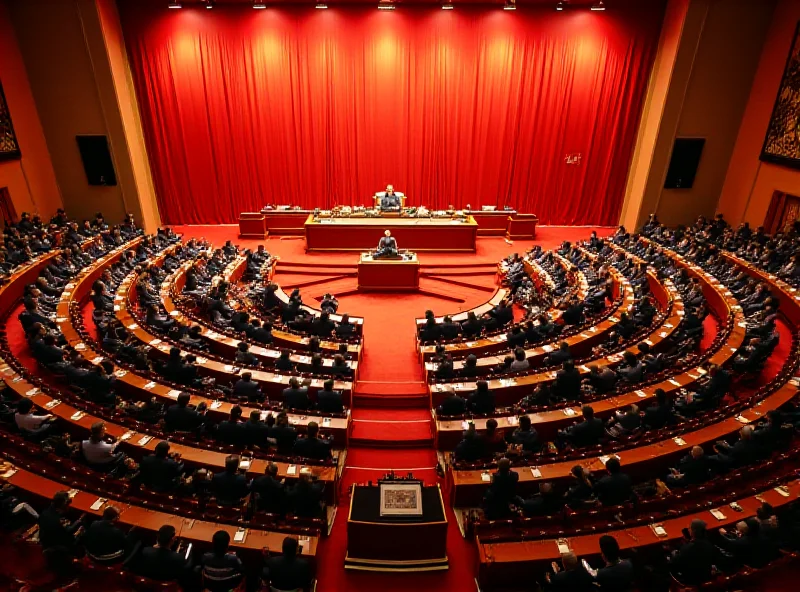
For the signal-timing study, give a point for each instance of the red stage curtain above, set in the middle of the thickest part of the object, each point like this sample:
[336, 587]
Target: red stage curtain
[477, 106]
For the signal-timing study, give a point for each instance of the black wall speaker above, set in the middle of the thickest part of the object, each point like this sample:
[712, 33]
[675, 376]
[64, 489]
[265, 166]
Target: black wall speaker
[96, 159]
[684, 162]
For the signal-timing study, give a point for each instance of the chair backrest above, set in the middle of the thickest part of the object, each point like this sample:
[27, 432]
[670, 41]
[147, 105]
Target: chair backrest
[377, 196]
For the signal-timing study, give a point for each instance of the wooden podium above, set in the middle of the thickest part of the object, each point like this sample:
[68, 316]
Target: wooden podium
[252, 225]
[396, 543]
[388, 275]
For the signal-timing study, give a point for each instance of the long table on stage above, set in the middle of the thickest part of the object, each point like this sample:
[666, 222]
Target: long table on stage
[415, 234]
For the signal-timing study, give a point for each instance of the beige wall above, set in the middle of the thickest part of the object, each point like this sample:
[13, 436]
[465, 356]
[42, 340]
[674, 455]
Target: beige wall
[722, 74]
[74, 74]
[750, 183]
[700, 86]
[31, 180]
[644, 154]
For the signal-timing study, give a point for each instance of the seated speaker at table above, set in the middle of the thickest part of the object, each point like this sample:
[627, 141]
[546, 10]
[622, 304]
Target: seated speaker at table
[389, 200]
[387, 246]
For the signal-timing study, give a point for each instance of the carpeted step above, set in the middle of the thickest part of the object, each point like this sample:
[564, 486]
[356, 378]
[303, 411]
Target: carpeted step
[391, 433]
[321, 270]
[396, 401]
[462, 283]
[391, 394]
[467, 270]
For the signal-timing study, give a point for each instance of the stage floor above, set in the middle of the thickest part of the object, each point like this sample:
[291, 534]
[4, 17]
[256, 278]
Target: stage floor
[488, 248]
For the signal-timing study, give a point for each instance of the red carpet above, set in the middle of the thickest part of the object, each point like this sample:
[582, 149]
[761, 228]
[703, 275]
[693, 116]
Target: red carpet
[392, 427]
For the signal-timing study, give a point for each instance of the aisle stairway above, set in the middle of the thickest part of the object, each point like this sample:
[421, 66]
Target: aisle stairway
[391, 428]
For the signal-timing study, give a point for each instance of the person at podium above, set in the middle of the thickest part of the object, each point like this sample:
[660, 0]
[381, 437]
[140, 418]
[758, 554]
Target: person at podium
[389, 201]
[387, 247]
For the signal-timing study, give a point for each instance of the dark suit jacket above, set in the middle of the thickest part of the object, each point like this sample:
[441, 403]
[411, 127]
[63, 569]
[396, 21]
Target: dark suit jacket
[312, 448]
[305, 500]
[229, 488]
[616, 578]
[450, 330]
[482, 404]
[162, 564]
[183, 419]
[453, 405]
[288, 574]
[104, 540]
[247, 388]
[53, 533]
[529, 439]
[322, 328]
[296, 398]
[587, 433]
[160, 474]
[568, 385]
[232, 432]
[271, 494]
[612, 490]
[285, 435]
[504, 486]
[576, 580]
[692, 563]
[329, 401]
[256, 433]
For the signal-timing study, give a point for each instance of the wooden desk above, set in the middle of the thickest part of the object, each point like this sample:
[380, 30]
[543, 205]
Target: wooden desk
[194, 531]
[388, 275]
[358, 322]
[285, 222]
[414, 234]
[505, 564]
[719, 298]
[522, 227]
[581, 342]
[142, 387]
[498, 341]
[469, 486]
[272, 383]
[492, 222]
[252, 225]
[642, 461]
[222, 344]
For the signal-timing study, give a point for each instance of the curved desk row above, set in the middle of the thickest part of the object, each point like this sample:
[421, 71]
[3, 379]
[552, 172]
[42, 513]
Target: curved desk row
[469, 484]
[505, 564]
[194, 531]
[272, 383]
[143, 387]
[580, 343]
[219, 343]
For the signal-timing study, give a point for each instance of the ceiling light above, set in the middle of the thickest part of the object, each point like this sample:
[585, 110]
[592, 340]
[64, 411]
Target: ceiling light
[321, 6]
[447, 6]
[259, 5]
[560, 6]
[510, 5]
[209, 4]
[175, 5]
[598, 6]
[385, 5]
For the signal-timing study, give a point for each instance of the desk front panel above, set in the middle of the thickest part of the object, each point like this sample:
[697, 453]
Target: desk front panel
[285, 222]
[492, 223]
[388, 275]
[360, 234]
